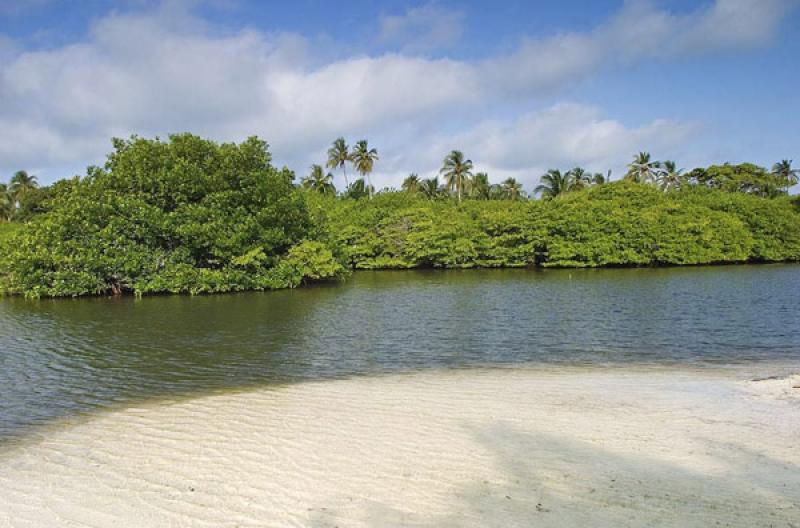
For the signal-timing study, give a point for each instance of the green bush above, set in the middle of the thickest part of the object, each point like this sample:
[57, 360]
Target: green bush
[183, 215]
[7, 229]
[774, 224]
[618, 224]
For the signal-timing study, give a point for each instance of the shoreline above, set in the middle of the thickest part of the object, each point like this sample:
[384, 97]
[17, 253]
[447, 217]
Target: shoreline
[471, 447]
[426, 269]
[767, 373]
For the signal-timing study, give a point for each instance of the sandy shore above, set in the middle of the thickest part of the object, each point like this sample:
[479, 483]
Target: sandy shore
[488, 448]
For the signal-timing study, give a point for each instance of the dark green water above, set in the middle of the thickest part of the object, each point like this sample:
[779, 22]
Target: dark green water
[61, 357]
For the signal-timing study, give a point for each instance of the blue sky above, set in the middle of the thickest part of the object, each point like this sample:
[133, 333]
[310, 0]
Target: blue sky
[519, 86]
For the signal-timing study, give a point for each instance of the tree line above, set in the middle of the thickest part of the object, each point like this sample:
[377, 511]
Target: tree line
[189, 215]
[460, 182]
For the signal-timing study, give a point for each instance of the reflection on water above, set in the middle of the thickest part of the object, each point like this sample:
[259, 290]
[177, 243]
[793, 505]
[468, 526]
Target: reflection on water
[65, 356]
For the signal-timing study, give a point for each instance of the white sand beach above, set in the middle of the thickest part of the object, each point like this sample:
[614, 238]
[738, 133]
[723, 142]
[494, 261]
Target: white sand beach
[488, 448]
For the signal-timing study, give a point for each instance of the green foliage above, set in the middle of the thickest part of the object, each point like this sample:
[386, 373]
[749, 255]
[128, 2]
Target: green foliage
[189, 215]
[319, 182]
[364, 159]
[7, 230]
[7, 204]
[619, 224]
[457, 172]
[554, 184]
[308, 261]
[358, 189]
[643, 169]
[691, 234]
[742, 178]
[396, 230]
[773, 224]
[184, 215]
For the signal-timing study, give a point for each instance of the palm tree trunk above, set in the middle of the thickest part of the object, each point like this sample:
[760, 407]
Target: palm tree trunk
[369, 182]
[344, 170]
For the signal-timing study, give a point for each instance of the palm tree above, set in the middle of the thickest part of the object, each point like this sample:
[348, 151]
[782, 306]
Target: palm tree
[318, 181]
[554, 184]
[643, 170]
[479, 187]
[599, 179]
[430, 188]
[358, 189]
[21, 184]
[784, 169]
[512, 189]
[7, 205]
[411, 184]
[580, 178]
[338, 156]
[457, 172]
[496, 192]
[364, 159]
[671, 176]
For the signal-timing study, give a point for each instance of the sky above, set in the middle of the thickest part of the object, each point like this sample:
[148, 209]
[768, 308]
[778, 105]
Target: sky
[519, 86]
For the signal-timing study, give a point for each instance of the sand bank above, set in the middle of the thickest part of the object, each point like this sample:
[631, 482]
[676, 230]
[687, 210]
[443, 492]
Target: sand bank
[461, 448]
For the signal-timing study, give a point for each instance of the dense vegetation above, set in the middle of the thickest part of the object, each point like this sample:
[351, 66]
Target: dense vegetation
[186, 215]
[617, 224]
[190, 215]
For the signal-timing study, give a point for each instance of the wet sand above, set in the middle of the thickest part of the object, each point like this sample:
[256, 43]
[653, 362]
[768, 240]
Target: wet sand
[488, 448]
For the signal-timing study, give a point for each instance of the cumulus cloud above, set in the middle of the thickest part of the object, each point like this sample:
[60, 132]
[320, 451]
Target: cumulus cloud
[163, 70]
[421, 29]
[560, 136]
[569, 133]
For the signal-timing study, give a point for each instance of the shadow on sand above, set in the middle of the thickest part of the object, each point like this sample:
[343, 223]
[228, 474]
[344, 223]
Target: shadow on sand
[552, 481]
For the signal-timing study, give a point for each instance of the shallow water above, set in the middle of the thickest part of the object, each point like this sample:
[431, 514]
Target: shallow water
[58, 358]
[607, 448]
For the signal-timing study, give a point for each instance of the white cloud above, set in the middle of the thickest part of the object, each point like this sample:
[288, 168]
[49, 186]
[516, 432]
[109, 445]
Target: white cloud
[561, 136]
[569, 133]
[164, 70]
[421, 29]
[639, 31]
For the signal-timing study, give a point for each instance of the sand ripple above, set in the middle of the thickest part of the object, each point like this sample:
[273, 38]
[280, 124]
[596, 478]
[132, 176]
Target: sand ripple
[461, 448]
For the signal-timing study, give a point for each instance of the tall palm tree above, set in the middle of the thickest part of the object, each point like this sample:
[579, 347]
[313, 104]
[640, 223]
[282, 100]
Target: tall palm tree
[512, 189]
[553, 184]
[318, 181]
[671, 176]
[21, 184]
[412, 183]
[7, 205]
[479, 187]
[364, 159]
[338, 156]
[784, 169]
[457, 172]
[430, 188]
[580, 178]
[643, 170]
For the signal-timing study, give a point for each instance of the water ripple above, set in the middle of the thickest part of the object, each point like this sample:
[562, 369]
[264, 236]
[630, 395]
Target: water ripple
[62, 357]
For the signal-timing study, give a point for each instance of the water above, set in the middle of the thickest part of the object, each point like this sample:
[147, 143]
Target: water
[62, 357]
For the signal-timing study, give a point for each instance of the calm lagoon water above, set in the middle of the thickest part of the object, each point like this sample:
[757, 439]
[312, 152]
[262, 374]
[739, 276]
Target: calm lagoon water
[61, 357]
